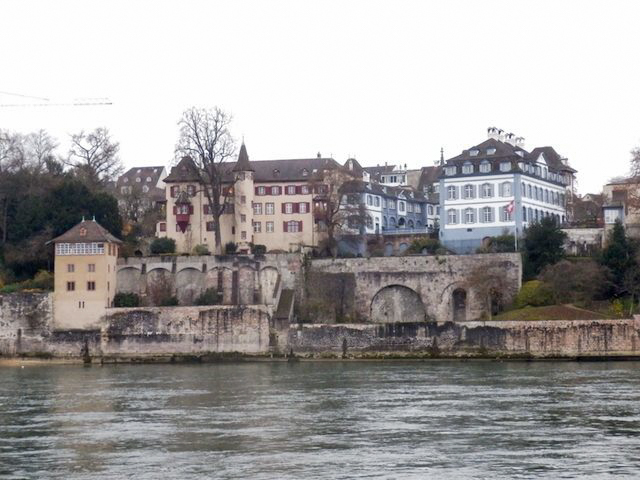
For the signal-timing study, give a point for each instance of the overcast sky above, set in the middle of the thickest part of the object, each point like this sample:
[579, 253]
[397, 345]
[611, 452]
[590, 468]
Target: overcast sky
[382, 81]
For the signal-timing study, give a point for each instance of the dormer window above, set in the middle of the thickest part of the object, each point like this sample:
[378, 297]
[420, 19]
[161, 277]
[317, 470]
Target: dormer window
[83, 232]
[305, 172]
[126, 180]
[148, 179]
[191, 190]
[450, 170]
[138, 179]
[491, 151]
[276, 172]
[505, 166]
[467, 168]
[474, 152]
[485, 167]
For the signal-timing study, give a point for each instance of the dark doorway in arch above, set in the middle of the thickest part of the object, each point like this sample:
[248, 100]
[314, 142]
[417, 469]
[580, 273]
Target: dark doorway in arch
[397, 304]
[495, 300]
[459, 305]
[388, 249]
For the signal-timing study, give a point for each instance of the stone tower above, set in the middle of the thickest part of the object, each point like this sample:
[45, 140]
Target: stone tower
[243, 189]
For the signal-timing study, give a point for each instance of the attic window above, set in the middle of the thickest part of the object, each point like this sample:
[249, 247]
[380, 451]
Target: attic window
[305, 172]
[474, 152]
[83, 232]
[485, 167]
[148, 179]
[125, 180]
[276, 172]
[520, 152]
[138, 179]
[467, 167]
[491, 151]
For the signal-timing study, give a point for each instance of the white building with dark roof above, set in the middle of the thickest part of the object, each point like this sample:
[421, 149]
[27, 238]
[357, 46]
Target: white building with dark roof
[497, 186]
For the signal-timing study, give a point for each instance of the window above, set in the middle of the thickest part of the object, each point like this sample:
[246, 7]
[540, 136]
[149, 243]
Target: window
[391, 203]
[243, 235]
[261, 191]
[505, 166]
[417, 208]
[91, 267]
[124, 190]
[70, 268]
[71, 286]
[474, 152]
[291, 190]
[288, 208]
[409, 207]
[269, 227]
[138, 179]
[487, 214]
[467, 168]
[469, 215]
[524, 214]
[243, 218]
[452, 216]
[80, 249]
[452, 193]
[546, 196]
[450, 170]
[506, 214]
[163, 226]
[302, 207]
[257, 209]
[125, 180]
[209, 226]
[376, 201]
[611, 215]
[191, 190]
[369, 200]
[304, 189]
[257, 227]
[275, 190]
[384, 203]
[430, 210]
[91, 285]
[243, 199]
[485, 167]
[529, 191]
[148, 179]
[506, 189]
[469, 191]
[369, 222]
[401, 206]
[523, 188]
[305, 172]
[145, 188]
[269, 208]
[293, 226]
[491, 151]
[487, 190]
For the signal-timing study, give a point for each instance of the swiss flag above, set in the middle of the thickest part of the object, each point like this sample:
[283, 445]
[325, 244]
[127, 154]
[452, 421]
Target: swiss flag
[510, 207]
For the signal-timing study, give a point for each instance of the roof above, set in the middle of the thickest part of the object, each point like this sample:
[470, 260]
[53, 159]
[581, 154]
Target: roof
[292, 170]
[147, 175]
[553, 159]
[429, 176]
[93, 232]
[184, 171]
[354, 166]
[358, 186]
[243, 165]
[378, 170]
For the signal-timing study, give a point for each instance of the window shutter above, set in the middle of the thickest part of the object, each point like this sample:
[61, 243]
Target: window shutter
[501, 189]
[300, 225]
[205, 209]
[284, 227]
[190, 209]
[255, 190]
[283, 207]
[308, 209]
[296, 208]
[175, 210]
[299, 189]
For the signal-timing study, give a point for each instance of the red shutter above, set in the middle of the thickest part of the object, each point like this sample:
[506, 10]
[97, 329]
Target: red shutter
[300, 225]
[256, 191]
[269, 190]
[283, 207]
[296, 208]
[190, 209]
[175, 210]
[284, 227]
[299, 189]
[308, 206]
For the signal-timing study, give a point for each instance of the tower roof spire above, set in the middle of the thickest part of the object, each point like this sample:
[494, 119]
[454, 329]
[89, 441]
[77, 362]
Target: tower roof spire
[243, 165]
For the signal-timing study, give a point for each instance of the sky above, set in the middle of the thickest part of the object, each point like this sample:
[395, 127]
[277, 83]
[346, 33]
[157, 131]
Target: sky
[390, 81]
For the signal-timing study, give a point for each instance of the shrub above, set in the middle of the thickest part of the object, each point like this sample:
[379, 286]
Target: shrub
[230, 248]
[258, 249]
[500, 244]
[576, 282]
[169, 302]
[123, 299]
[543, 245]
[43, 280]
[163, 245]
[201, 250]
[208, 297]
[424, 245]
[534, 293]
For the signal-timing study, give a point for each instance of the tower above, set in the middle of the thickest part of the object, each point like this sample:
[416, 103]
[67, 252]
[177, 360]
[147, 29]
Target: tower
[243, 176]
[85, 275]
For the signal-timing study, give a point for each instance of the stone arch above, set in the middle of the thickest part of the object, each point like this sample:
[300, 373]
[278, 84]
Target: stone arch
[410, 224]
[459, 304]
[211, 279]
[189, 285]
[401, 222]
[246, 285]
[388, 249]
[397, 303]
[402, 247]
[128, 280]
[268, 282]
[160, 283]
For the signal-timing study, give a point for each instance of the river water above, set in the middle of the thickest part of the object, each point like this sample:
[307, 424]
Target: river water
[328, 420]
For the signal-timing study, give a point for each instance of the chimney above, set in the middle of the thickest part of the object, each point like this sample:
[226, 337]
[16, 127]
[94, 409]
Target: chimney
[500, 135]
[492, 132]
[510, 138]
[520, 142]
[405, 166]
[319, 155]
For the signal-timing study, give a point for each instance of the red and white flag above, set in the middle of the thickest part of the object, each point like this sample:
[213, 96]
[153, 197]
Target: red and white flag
[510, 207]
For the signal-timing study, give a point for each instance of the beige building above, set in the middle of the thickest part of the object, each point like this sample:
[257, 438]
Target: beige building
[85, 275]
[270, 203]
[621, 201]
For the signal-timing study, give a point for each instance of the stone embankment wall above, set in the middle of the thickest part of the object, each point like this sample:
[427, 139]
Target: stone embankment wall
[409, 289]
[526, 339]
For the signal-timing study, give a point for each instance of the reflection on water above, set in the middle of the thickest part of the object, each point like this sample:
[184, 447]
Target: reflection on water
[322, 420]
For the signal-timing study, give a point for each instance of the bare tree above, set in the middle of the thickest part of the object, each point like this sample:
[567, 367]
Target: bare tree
[205, 137]
[94, 156]
[39, 148]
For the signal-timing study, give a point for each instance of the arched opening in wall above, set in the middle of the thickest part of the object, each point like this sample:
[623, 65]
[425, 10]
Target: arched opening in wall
[269, 281]
[128, 280]
[189, 285]
[401, 222]
[495, 301]
[402, 247]
[396, 304]
[410, 224]
[388, 249]
[459, 299]
[486, 242]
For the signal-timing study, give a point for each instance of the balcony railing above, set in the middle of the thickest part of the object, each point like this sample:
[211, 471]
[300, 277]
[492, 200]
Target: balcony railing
[405, 231]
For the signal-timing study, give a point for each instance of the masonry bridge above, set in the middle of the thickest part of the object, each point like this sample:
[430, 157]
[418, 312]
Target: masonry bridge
[412, 288]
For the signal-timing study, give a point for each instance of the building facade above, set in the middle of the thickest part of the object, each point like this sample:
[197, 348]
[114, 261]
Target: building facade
[498, 187]
[85, 275]
[269, 203]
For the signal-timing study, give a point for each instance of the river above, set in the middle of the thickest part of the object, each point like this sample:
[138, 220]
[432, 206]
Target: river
[321, 420]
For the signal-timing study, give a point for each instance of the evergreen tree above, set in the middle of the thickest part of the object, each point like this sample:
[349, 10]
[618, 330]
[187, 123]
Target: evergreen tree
[542, 246]
[619, 257]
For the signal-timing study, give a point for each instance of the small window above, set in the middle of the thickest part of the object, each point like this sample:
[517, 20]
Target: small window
[83, 232]
[485, 167]
[269, 227]
[505, 166]
[257, 209]
[269, 208]
[71, 286]
[261, 190]
[138, 179]
[92, 267]
[450, 170]
[491, 151]
[257, 227]
[451, 192]
[305, 172]
[243, 235]
[452, 216]
[275, 190]
[487, 190]
[302, 208]
[148, 179]
[91, 285]
[145, 188]
[191, 190]
[474, 152]
[376, 201]
[304, 190]
[70, 268]
[243, 199]
[288, 208]
[401, 206]
[467, 168]
[291, 189]
[126, 180]
[243, 218]
[276, 172]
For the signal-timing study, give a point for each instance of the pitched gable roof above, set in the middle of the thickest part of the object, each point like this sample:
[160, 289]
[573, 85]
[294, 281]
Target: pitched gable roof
[184, 171]
[84, 232]
[129, 177]
[243, 165]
